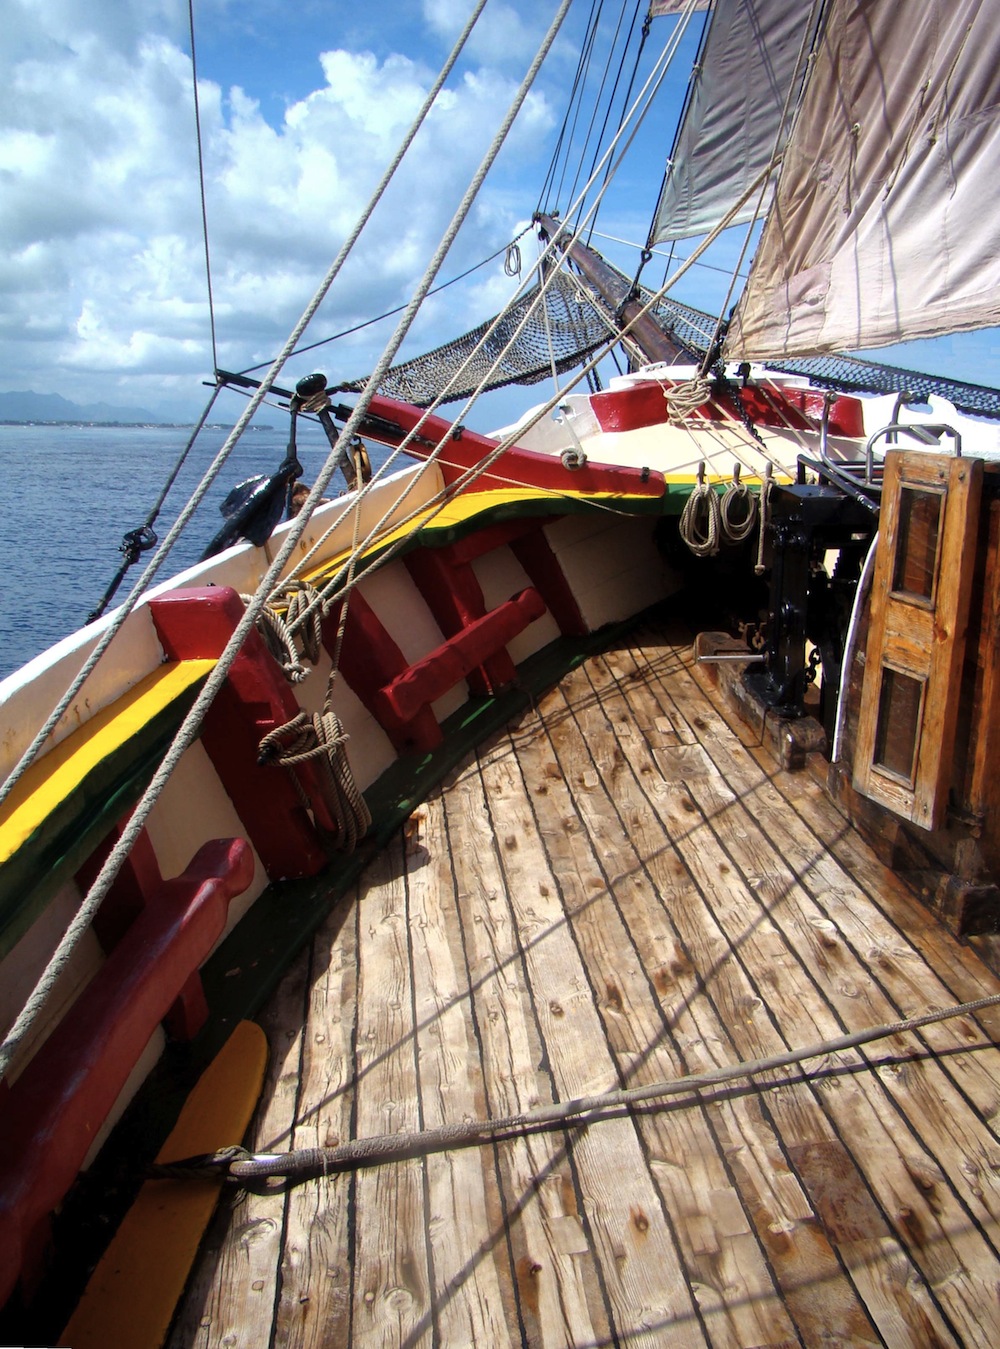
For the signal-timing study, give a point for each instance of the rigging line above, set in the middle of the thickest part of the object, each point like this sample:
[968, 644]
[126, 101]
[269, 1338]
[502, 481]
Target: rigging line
[643, 34]
[557, 152]
[585, 56]
[330, 589]
[391, 313]
[130, 558]
[659, 253]
[241, 1166]
[646, 95]
[201, 185]
[781, 135]
[638, 112]
[31, 753]
[597, 102]
[191, 724]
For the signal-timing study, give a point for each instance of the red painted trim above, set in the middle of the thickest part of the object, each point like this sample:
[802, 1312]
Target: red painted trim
[196, 625]
[644, 404]
[440, 670]
[515, 467]
[454, 596]
[543, 569]
[369, 658]
[54, 1110]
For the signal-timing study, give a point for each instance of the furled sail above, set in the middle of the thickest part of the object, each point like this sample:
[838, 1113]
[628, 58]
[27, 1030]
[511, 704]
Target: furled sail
[883, 226]
[743, 92]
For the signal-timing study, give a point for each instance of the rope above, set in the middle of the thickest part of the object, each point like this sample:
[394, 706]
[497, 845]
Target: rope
[684, 398]
[190, 726]
[737, 529]
[201, 186]
[701, 522]
[238, 1165]
[765, 519]
[319, 739]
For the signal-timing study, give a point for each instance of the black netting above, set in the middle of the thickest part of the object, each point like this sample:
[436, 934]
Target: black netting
[564, 330]
[573, 324]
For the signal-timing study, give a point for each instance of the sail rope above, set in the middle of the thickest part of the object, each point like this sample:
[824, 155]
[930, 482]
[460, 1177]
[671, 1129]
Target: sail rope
[79, 925]
[201, 185]
[238, 1165]
[34, 748]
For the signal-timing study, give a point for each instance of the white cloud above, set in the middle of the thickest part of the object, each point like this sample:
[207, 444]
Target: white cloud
[102, 290]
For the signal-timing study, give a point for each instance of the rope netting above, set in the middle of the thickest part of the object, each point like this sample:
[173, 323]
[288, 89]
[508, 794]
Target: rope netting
[569, 324]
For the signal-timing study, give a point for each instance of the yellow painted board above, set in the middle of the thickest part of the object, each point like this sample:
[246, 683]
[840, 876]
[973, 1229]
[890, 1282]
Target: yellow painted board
[130, 1299]
[54, 777]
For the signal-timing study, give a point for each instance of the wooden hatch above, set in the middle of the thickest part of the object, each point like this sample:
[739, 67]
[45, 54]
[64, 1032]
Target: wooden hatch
[916, 639]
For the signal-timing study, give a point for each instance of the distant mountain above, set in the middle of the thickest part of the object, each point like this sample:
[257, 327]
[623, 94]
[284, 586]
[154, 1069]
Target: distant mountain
[52, 407]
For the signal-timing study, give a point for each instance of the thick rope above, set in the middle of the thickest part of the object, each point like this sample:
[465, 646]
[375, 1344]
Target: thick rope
[192, 723]
[701, 522]
[738, 511]
[319, 739]
[240, 1166]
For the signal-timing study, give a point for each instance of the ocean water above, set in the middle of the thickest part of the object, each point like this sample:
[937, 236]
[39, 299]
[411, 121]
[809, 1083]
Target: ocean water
[68, 494]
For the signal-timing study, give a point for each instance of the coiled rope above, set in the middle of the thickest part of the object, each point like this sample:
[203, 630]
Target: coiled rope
[319, 739]
[738, 509]
[701, 520]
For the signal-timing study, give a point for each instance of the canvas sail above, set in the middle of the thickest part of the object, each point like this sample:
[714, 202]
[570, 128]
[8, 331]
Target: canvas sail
[737, 112]
[883, 226]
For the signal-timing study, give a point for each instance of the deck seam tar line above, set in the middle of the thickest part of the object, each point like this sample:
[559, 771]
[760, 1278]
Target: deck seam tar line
[502, 992]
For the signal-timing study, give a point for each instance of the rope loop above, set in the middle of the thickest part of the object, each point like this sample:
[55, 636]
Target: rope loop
[701, 522]
[512, 260]
[318, 739]
[738, 509]
[765, 512]
[687, 397]
[295, 638]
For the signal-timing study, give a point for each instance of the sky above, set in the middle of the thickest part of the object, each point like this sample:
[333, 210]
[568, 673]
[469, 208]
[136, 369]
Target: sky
[102, 268]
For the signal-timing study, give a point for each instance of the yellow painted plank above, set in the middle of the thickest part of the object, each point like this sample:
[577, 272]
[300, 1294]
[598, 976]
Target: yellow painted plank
[53, 778]
[130, 1299]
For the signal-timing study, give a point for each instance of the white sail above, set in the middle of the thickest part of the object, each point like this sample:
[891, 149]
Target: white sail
[883, 226]
[738, 103]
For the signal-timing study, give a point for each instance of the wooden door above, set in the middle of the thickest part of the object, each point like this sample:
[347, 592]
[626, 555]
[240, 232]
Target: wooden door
[916, 640]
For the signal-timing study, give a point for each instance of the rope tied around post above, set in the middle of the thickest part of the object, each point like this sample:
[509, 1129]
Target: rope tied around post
[319, 739]
[701, 521]
[738, 509]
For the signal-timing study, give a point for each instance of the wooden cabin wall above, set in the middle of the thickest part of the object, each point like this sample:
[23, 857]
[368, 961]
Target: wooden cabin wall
[957, 867]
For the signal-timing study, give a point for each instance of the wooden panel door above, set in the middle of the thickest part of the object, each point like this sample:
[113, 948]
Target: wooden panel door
[916, 640]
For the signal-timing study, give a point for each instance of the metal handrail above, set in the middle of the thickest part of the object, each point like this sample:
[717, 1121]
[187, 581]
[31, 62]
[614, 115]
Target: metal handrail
[927, 433]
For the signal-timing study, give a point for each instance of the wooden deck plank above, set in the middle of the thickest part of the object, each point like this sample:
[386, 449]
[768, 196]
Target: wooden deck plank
[818, 1293]
[938, 1228]
[392, 1283]
[556, 1283]
[650, 1300]
[463, 1206]
[314, 1308]
[598, 899]
[723, 1262]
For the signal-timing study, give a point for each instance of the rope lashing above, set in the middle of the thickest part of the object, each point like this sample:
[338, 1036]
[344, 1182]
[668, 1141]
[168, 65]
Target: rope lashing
[765, 514]
[684, 398]
[319, 739]
[701, 521]
[738, 509]
[240, 1166]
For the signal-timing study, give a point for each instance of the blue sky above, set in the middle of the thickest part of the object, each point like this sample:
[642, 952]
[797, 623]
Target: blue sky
[102, 290]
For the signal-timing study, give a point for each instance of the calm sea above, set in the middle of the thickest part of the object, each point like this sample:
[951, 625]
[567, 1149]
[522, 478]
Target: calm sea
[68, 494]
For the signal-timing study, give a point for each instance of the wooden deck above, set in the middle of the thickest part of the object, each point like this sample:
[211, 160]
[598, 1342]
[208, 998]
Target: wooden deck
[623, 889]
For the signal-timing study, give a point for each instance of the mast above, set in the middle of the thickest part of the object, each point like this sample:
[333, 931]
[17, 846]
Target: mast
[645, 333]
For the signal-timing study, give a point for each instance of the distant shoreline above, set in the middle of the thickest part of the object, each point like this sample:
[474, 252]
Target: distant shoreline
[134, 426]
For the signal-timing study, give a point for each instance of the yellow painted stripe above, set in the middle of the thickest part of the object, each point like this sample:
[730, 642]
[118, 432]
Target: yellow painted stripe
[130, 1299]
[463, 508]
[53, 779]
